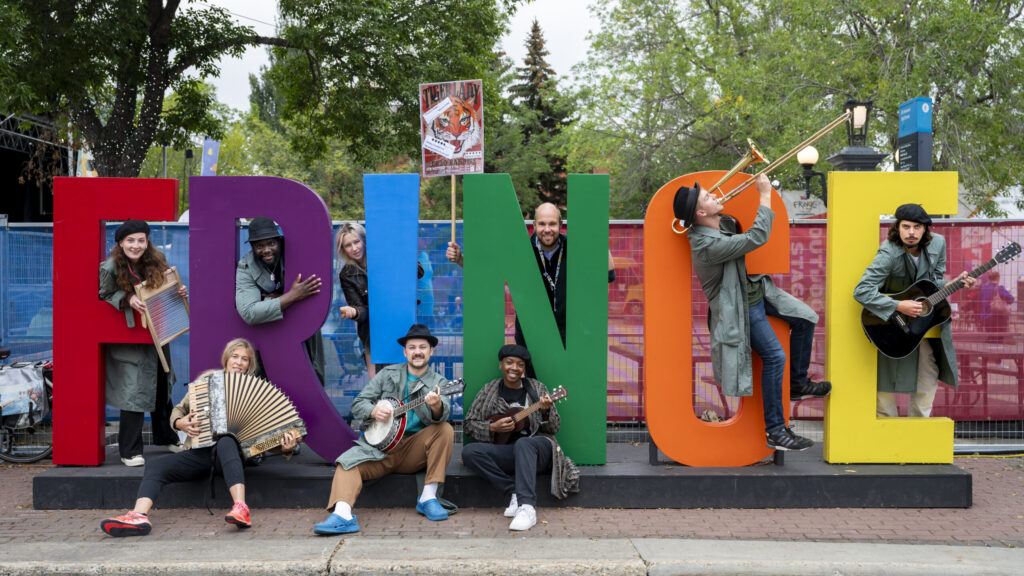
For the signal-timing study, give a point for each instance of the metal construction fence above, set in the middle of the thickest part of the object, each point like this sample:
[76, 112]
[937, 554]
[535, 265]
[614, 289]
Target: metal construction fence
[988, 406]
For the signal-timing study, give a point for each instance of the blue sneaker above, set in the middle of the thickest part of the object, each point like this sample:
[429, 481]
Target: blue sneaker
[336, 525]
[432, 509]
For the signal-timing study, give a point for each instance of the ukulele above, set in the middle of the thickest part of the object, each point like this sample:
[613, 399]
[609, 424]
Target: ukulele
[519, 416]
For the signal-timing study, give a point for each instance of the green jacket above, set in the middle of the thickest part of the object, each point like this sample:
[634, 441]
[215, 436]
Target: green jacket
[390, 383]
[250, 277]
[892, 270]
[719, 259]
[131, 369]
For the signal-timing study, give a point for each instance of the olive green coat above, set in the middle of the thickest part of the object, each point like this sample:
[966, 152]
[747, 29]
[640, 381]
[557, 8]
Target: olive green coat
[390, 383]
[719, 259]
[893, 270]
[252, 280]
[131, 369]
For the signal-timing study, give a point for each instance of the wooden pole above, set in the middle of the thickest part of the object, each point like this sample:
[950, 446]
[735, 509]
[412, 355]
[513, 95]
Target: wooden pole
[453, 208]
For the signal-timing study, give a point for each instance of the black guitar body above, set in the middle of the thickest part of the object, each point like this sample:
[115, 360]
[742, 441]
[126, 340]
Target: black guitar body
[896, 341]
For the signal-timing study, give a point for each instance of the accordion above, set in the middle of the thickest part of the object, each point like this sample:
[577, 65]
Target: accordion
[250, 409]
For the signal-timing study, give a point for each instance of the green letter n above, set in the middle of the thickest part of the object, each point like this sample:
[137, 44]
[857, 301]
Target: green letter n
[498, 251]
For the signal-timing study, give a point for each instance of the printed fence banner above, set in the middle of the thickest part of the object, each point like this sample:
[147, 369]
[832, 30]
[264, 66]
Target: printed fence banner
[452, 128]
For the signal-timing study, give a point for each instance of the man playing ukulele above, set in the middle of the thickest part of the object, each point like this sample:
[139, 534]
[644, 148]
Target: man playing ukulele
[509, 458]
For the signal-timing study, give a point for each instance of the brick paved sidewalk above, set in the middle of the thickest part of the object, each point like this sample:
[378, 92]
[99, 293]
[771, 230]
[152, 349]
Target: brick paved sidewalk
[996, 519]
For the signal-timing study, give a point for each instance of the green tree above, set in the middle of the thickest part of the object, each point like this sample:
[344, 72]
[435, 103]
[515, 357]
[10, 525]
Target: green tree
[541, 114]
[348, 68]
[371, 57]
[670, 89]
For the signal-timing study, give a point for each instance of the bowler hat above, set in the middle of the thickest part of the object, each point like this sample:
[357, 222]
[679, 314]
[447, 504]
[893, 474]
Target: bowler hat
[684, 205]
[913, 213]
[262, 228]
[418, 331]
[514, 350]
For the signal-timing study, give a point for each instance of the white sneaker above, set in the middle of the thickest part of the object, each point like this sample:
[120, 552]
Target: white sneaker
[526, 518]
[134, 461]
[513, 507]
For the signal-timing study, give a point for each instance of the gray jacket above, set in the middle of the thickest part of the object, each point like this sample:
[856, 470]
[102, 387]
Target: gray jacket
[719, 259]
[131, 369]
[892, 270]
[252, 280]
[390, 383]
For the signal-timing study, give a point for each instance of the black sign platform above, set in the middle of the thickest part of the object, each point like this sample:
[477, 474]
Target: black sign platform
[627, 481]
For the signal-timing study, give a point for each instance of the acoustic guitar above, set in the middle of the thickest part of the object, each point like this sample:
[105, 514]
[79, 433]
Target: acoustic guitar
[386, 435]
[519, 416]
[899, 335]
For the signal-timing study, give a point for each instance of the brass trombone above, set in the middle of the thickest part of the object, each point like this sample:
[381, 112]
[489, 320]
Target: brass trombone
[754, 156]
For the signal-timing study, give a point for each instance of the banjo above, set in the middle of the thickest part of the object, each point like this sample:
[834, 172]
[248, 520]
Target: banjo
[385, 435]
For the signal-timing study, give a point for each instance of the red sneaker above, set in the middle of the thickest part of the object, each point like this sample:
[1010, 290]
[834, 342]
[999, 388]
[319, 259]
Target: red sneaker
[239, 515]
[130, 524]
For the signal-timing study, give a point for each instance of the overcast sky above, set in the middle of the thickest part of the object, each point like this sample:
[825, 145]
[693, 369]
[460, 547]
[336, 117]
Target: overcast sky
[565, 24]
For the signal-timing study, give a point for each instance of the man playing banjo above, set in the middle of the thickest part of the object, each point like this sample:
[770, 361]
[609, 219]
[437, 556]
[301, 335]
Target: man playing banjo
[426, 442]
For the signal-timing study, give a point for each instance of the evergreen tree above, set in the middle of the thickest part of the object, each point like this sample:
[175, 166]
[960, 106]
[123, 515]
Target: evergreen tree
[542, 115]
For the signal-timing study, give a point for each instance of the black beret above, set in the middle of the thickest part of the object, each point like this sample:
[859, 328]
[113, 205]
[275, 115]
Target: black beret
[684, 205]
[514, 350]
[913, 213]
[130, 227]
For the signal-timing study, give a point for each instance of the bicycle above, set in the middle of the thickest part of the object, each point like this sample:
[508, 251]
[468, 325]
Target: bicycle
[26, 431]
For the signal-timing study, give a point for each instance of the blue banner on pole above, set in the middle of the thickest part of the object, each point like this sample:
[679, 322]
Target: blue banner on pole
[392, 209]
[211, 149]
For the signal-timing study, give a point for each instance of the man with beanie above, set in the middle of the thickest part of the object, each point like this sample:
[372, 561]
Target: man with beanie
[259, 286]
[512, 465]
[426, 443]
[739, 306]
[910, 252]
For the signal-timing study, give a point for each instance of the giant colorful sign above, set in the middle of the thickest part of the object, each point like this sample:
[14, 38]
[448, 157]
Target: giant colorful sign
[498, 253]
[852, 431]
[668, 334]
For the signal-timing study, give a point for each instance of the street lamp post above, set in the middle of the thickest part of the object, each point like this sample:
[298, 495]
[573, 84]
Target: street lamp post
[857, 156]
[807, 158]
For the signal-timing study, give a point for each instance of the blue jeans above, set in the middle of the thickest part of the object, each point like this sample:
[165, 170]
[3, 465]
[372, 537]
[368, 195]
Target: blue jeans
[773, 360]
[801, 336]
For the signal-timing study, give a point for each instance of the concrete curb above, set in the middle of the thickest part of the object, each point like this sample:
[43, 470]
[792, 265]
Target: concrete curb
[666, 557]
[505, 556]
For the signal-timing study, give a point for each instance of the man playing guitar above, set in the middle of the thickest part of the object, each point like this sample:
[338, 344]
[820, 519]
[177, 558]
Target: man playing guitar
[512, 467]
[910, 253]
[427, 441]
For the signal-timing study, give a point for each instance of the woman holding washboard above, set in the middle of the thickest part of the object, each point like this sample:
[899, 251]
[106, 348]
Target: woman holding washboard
[135, 381]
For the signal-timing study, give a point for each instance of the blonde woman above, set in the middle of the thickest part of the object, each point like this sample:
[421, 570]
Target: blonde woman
[196, 463]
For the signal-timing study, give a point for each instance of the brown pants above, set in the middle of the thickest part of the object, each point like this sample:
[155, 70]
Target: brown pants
[430, 447]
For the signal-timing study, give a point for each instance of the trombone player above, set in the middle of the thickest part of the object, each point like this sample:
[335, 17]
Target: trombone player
[738, 307]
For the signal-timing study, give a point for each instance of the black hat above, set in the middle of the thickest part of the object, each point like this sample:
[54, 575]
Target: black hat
[130, 227]
[418, 331]
[685, 203]
[913, 213]
[514, 350]
[261, 228]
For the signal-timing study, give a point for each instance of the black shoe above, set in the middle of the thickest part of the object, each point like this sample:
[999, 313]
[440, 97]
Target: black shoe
[785, 439]
[809, 389]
